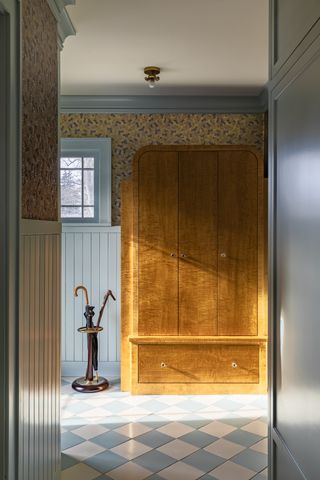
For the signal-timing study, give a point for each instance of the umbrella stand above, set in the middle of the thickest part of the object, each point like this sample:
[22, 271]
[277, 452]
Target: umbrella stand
[91, 382]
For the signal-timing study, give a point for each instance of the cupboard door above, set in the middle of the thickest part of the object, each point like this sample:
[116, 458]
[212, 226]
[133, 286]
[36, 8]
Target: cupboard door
[158, 244]
[238, 243]
[198, 243]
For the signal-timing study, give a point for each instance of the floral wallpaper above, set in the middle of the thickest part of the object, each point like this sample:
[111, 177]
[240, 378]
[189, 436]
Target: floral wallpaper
[40, 111]
[131, 131]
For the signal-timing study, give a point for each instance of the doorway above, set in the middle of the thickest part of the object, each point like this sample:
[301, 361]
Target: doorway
[158, 436]
[9, 195]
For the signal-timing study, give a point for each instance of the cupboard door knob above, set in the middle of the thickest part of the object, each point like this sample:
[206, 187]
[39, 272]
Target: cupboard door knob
[183, 255]
[223, 255]
[163, 365]
[234, 364]
[173, 255]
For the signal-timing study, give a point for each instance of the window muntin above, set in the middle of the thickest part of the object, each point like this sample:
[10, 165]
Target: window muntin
[78, 186]
[88, 155]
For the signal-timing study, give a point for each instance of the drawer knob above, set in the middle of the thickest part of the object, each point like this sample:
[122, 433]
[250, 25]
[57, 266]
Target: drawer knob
[163, 365]
[183, 255]
[173, 255]
[223, 255]
[234, 364]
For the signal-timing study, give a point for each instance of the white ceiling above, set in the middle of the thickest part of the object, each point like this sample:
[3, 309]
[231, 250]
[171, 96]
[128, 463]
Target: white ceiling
[204, 47]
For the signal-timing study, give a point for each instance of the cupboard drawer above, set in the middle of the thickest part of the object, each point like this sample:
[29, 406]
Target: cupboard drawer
[198, 363]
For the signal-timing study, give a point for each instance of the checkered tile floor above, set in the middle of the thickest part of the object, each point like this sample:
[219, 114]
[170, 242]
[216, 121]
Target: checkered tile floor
[113, 435]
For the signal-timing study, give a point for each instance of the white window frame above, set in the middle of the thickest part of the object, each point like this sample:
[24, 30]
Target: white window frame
[100, 148]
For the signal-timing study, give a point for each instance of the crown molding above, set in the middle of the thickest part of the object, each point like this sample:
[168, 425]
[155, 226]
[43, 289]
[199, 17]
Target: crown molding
[64, 23]
[163, 104]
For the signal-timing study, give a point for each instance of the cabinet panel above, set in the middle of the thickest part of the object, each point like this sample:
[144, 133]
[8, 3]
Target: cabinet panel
[198, 243]
[238, 243]
[199, 363]
[158, 243]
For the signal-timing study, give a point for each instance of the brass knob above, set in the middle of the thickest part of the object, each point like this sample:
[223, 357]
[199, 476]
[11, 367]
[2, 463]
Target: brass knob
[183, 255]
[234, 365]
[163, 365]
[173, 255]
[223, 255]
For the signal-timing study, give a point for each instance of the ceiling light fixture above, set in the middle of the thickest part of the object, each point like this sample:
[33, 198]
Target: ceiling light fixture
[152, 75]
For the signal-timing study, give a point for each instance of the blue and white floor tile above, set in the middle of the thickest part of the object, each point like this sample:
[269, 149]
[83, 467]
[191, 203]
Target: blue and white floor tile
[112, 435]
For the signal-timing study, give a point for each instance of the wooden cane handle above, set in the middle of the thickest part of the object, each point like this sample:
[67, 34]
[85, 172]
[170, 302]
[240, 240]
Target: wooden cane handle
[81, 287]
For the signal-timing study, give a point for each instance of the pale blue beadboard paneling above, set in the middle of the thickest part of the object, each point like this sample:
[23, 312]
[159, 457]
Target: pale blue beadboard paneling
[63, 293]
[90, 256]
[104, 266]
[77, 253]
[39, 352]
[95, 273]
[87, 281]
[69, 302]
[112, 306]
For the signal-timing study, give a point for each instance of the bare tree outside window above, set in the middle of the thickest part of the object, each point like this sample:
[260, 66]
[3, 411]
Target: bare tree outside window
[77, 184]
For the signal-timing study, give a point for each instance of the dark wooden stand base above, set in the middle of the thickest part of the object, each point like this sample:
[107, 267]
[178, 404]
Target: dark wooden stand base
[82, 385]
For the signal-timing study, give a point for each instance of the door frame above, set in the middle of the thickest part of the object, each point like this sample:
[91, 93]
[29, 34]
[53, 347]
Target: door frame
[10, 161]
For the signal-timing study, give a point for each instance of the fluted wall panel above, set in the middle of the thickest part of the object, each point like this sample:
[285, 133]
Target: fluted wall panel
[39, 352]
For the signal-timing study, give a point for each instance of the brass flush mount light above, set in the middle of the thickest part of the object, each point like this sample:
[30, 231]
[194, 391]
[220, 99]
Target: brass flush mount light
[152, 75]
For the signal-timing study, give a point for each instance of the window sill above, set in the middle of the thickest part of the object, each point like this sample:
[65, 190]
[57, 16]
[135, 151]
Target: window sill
[90, 227]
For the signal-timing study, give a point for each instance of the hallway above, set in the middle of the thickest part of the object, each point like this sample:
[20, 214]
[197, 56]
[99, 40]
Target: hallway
[113, 435]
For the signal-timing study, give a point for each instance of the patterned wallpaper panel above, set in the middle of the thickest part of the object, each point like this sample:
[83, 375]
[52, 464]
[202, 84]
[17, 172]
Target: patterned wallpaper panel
[40, 111]
[131, 131]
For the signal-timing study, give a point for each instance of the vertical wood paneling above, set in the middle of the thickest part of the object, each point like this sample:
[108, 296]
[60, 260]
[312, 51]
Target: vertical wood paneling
[127, 207]
[95, 272]
[157, 230]
[104, 265]
[76, 337]
[69, 305]
[57, 348]
[198, 211]
[90, 256]
[78, 303]
[39, 353]
[63, 297]
[112, 306]
[118, 303]
[238, 243]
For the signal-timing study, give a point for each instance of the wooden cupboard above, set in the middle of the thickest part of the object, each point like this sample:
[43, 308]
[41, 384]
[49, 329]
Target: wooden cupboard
[194, 271]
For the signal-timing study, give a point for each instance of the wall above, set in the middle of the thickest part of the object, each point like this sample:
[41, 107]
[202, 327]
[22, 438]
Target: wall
[131, 131]
[90, 257]
[40, 242]
[9, 221]
[40, 111]
[294, 219]
[39, 351]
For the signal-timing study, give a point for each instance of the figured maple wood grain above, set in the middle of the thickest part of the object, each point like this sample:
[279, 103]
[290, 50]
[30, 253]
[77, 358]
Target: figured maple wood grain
[198, 201]
[263, 262]
[158, 243]
[126, 281]
[238, 243]
[198, 363]
[241, 289]
[201, 339]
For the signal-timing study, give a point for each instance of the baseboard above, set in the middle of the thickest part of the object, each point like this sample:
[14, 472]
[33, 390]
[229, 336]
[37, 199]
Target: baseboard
[77, 369]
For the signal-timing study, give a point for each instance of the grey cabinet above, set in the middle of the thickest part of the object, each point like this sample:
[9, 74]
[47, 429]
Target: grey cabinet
[295, 250]
[294, 23]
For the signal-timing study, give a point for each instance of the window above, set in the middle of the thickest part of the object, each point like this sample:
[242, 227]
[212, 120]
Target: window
[85, 180]
[78, 183]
